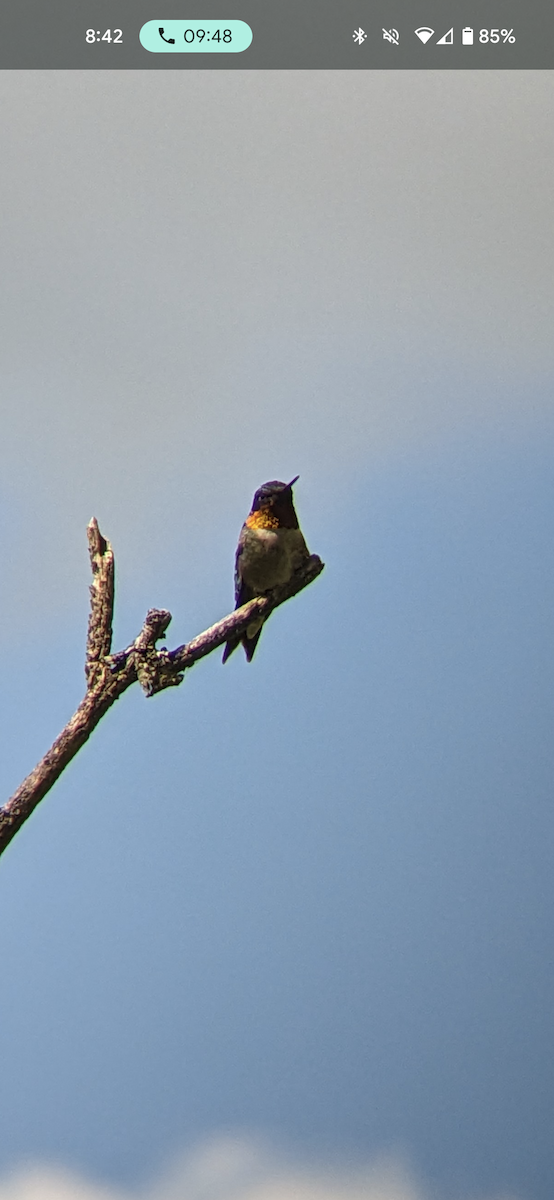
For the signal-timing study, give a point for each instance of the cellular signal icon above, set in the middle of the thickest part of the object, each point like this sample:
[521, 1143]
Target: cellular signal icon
[424, 33]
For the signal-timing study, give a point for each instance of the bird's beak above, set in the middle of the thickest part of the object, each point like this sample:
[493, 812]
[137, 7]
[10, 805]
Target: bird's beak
[289, 485]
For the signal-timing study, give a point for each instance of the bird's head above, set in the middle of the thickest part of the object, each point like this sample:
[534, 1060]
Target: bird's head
[273, 505]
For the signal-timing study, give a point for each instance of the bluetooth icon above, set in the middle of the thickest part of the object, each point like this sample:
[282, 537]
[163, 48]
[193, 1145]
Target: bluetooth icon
[359, 36]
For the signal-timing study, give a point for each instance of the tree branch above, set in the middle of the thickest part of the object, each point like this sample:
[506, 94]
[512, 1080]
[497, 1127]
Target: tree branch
[109, 675]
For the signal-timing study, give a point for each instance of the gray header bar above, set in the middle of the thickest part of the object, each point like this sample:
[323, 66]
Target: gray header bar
[352, 35]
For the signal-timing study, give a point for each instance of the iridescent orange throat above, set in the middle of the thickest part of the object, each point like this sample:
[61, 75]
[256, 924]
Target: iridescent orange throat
[262, 518]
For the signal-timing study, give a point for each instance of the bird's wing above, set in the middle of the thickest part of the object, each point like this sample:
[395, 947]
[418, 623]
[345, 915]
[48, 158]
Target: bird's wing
[242, 592]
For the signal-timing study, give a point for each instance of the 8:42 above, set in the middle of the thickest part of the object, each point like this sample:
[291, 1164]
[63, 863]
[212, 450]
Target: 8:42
[110, 35]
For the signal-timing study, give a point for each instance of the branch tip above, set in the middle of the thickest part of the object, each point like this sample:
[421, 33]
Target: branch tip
[98, 544]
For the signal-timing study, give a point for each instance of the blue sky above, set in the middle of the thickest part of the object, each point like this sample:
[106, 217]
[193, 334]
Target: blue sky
[304, 904]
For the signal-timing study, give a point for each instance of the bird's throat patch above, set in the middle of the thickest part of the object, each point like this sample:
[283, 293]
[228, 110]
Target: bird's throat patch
[262, 518]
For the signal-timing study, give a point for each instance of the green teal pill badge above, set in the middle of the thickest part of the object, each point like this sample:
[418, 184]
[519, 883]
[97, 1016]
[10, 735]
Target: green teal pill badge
[195, 37]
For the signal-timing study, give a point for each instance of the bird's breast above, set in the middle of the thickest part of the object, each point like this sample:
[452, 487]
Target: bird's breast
[268, 557]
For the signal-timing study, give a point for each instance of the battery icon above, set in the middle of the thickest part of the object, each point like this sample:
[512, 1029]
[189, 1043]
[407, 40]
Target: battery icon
[467, 36]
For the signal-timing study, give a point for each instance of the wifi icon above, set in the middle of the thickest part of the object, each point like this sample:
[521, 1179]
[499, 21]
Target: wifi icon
[424, 33]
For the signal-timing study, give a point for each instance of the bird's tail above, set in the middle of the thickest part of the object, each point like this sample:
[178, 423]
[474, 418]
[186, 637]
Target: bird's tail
[229, 647]
[249, 644]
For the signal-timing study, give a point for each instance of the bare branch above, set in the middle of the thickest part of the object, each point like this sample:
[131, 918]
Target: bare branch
[164, 668]
[237, 622]
[109, 675]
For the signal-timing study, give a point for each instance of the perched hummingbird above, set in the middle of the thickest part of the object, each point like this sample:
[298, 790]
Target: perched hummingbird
[270, 549]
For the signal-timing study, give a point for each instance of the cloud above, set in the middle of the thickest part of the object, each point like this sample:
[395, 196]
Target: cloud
[54, 1183]
[232, 1168]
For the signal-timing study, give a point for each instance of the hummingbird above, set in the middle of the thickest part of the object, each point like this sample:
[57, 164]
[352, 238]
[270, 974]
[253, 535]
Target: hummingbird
[271, 548]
